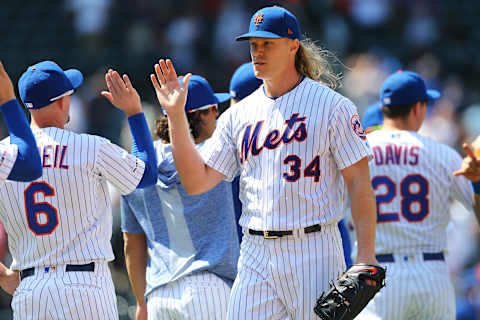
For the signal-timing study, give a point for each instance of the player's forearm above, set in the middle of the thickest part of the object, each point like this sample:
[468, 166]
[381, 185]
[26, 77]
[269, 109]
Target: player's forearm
[27, 167]
[142, 148]
[190, 165]
[364, 218]
[136, 258]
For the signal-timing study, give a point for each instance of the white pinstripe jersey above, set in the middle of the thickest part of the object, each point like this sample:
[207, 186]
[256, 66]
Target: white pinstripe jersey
[8, 155]
[289, 151]
[412, 177]
[65, 217]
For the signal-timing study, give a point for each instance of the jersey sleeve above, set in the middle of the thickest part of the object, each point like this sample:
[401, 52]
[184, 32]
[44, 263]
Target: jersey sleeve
[119, 167]
[219, 152]
[129, 221]
[462, 189]
[348, 140]
[8, 155]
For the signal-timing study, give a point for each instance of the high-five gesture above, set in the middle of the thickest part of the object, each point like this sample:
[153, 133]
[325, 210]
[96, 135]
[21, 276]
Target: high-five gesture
[170, 94]
[6, 86]
[121, 93]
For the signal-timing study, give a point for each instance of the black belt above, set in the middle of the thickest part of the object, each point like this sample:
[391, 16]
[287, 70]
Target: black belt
[89, 267]
[278, 234]
[388, 257]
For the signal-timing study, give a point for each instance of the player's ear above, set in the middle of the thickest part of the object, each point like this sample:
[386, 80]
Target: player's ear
[294, 45]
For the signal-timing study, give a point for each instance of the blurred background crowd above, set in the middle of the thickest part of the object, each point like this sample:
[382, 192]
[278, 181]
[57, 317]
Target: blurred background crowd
[371, 39]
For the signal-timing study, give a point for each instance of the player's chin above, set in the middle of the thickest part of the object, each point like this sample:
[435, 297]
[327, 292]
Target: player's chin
[260, 70]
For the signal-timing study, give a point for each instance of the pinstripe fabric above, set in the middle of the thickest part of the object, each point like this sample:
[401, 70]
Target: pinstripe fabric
[315, 123]
[282, 278]
[415, 289]
[8, 155]
[60, 295]
[436, 163]
[65, 217]
[81, 200]
[200, 296]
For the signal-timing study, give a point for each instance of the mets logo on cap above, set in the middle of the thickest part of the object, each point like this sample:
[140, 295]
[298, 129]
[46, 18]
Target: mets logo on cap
[357, 127]
[258, 19]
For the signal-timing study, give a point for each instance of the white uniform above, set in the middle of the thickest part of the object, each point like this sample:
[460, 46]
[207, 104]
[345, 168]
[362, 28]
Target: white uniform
[63, 219]
[8, 155]
[412, 177]
[289, 151]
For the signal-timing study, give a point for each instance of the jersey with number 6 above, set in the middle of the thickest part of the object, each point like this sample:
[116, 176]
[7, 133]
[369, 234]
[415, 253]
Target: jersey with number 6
[412, 177]
[8, 155]
[65, 217]
[289, 151]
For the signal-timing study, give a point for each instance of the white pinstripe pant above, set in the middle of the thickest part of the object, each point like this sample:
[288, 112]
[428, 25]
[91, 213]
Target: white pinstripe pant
[200, 296]
[282, 278]
[57, 294]
[414, 289]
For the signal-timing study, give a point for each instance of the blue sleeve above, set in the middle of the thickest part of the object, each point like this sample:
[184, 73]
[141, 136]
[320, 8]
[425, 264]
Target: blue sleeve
[27, 167]
[142, 148]
[129, 221]
[347, 246]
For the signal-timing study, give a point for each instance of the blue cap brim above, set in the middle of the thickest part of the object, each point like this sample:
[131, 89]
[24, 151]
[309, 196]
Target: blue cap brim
[433, 94]
[75, 77]
[258, 34]
[222, 97]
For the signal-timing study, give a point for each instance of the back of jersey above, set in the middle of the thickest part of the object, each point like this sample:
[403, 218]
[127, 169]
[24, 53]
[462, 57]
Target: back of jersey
[64, 217]
[412, 177]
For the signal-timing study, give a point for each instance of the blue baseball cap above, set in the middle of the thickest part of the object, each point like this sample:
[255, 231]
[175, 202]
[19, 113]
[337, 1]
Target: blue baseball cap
[200, 95]
[272, 22]
[45, 82]
[373, 117]
[244, 82]
[404, 88]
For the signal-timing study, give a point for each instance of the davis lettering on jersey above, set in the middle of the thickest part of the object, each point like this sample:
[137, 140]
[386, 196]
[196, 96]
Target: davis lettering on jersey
[396, 155]
[53, 156]
[273, 139]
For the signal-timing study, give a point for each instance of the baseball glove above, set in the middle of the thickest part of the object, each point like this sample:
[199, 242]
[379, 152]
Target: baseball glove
[350, 293]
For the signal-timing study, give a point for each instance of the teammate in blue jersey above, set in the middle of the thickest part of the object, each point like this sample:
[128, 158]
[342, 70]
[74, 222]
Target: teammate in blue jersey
[182, 250]
[299, 146]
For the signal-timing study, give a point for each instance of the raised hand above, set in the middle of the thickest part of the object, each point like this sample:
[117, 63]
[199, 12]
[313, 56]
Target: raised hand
[170, 94]
[470, 165]
[6, 86]
[121, 93]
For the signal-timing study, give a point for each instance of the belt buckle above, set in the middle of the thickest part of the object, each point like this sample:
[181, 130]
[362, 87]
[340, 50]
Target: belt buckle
[266, 236]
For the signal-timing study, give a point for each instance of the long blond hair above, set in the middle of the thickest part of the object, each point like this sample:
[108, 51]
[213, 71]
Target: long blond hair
[314, 62]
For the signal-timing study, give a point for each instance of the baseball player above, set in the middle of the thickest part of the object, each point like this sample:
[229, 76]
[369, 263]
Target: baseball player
[242, 84]
[413, 180]
[182, 250]
[19, 159]
[59, 226]
[298, 146]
